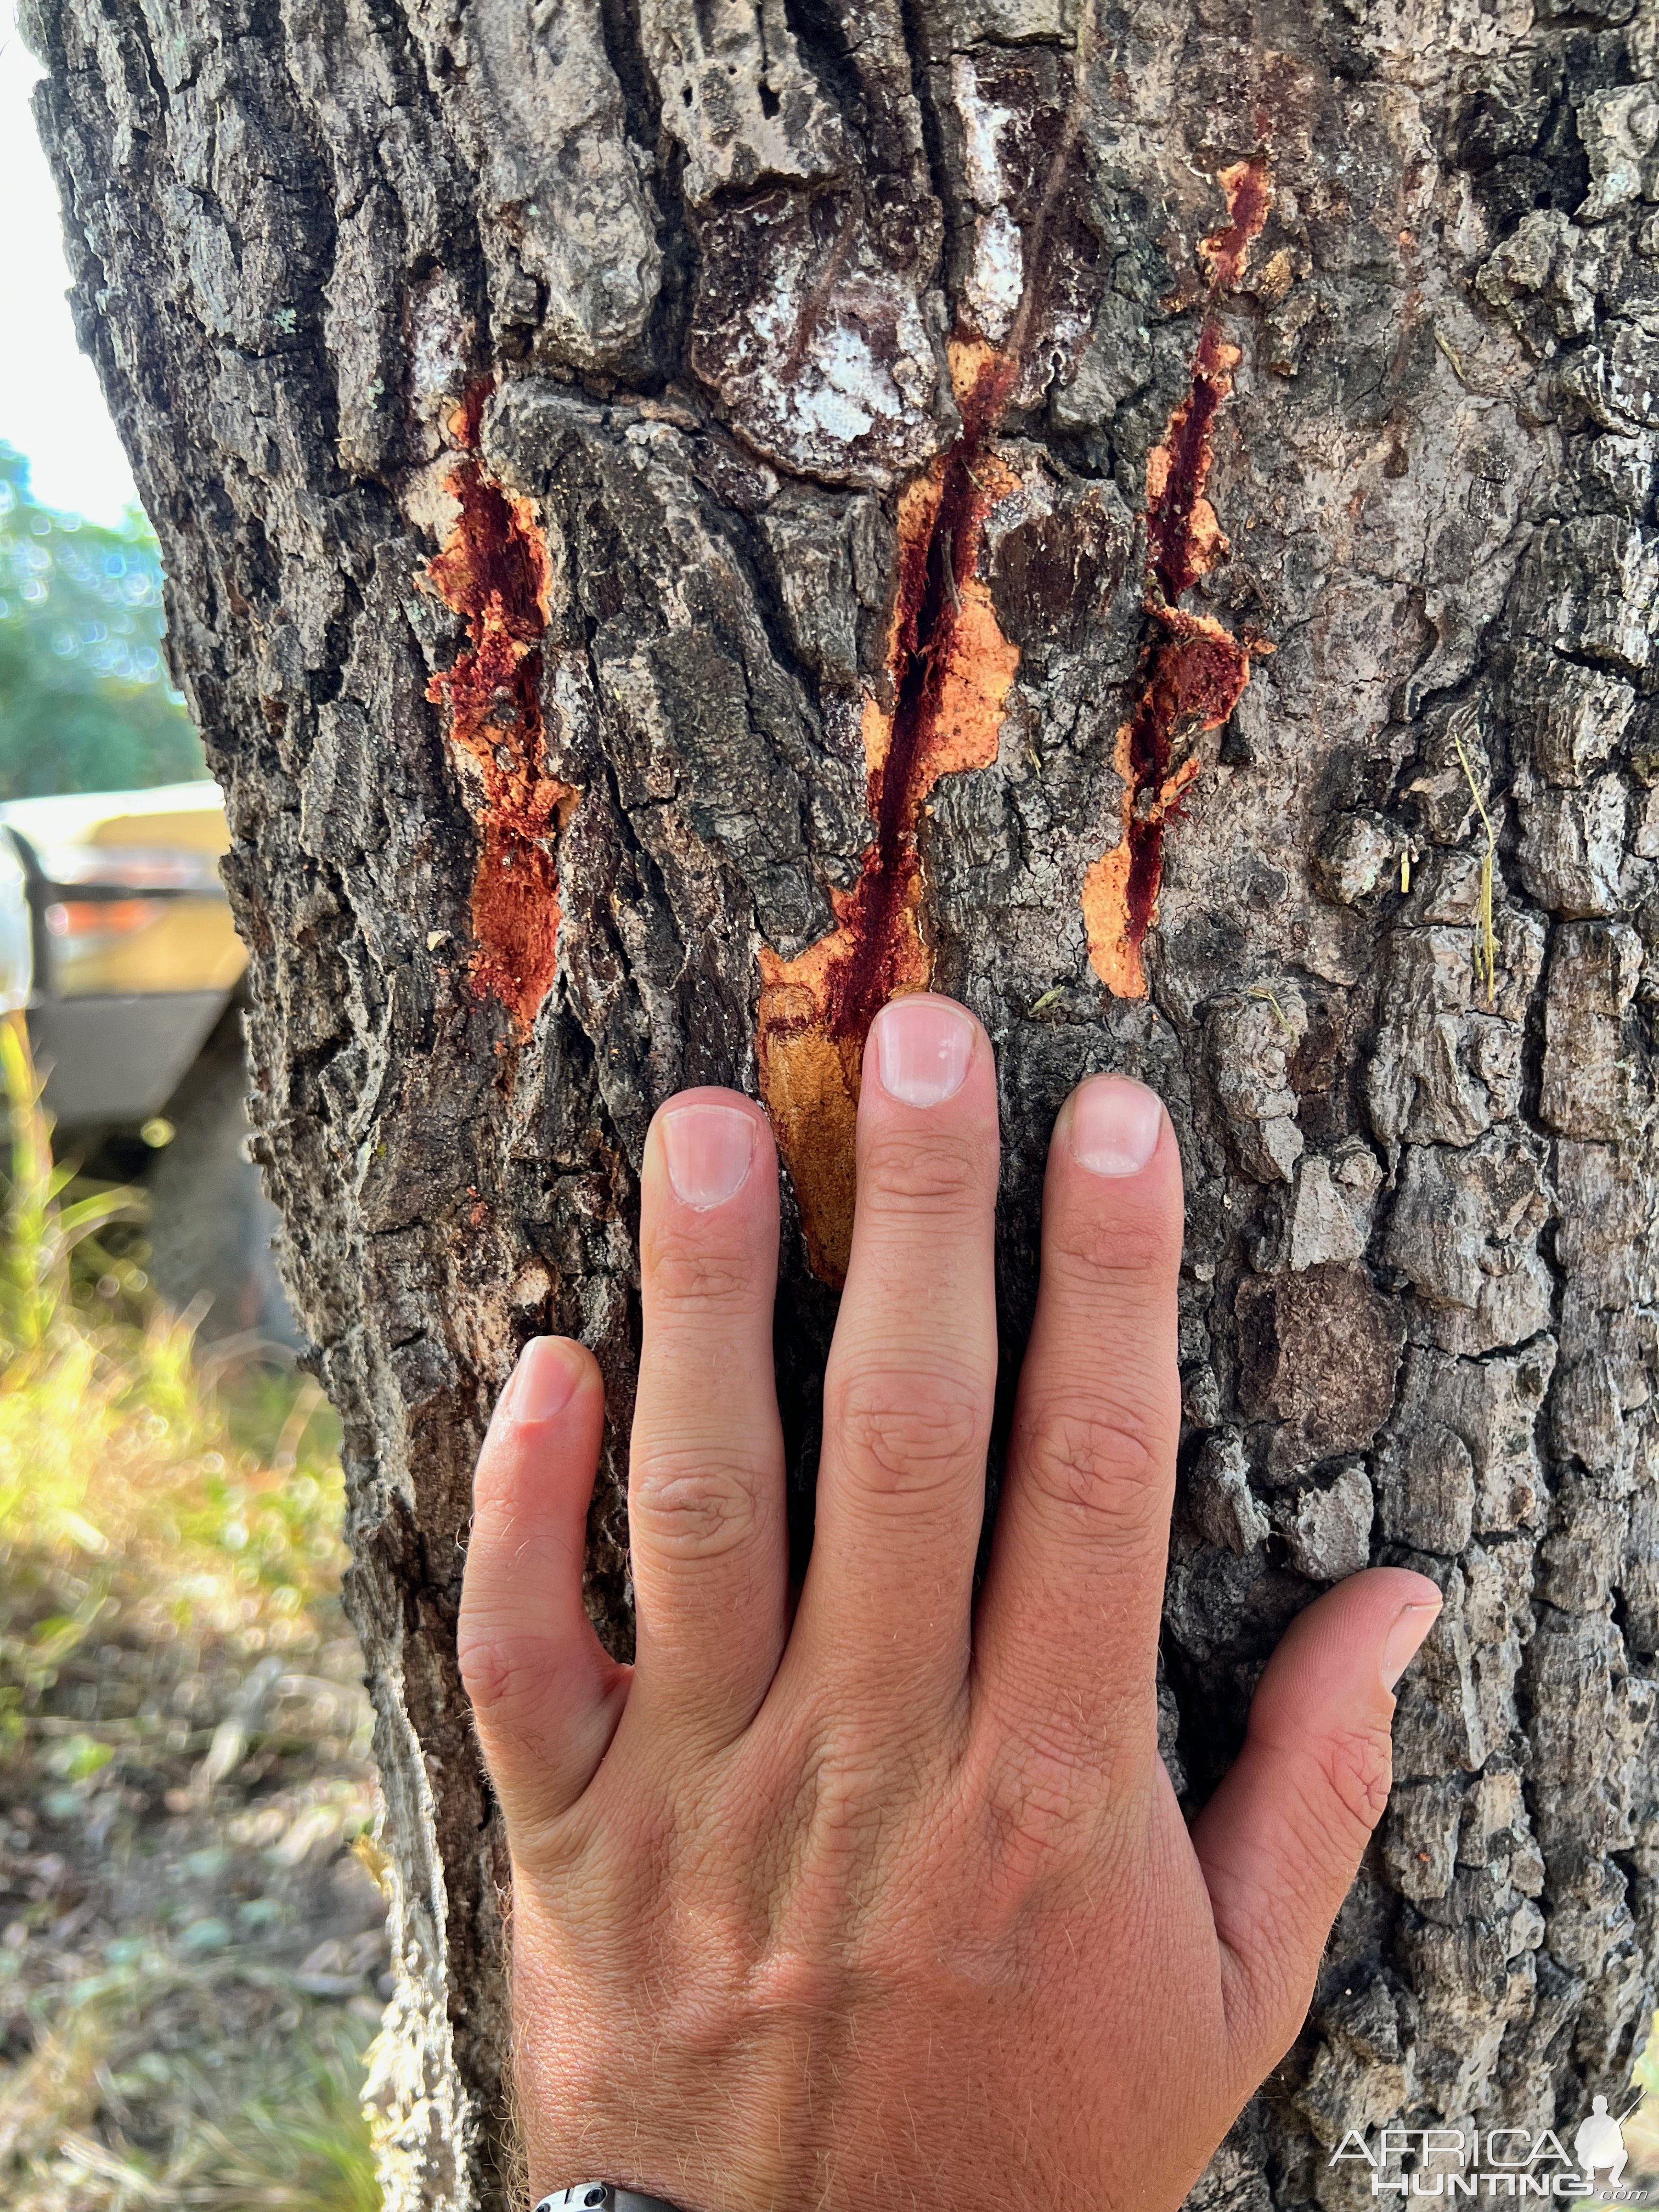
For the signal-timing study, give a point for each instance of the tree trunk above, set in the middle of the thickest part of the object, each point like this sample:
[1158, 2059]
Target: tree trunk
[683, 519]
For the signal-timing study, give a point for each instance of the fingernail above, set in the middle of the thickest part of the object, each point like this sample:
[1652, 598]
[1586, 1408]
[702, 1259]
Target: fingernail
[1411, 1626]
[709, 1150]
[1115, 1125]
[923, 1046]
[542, 1383]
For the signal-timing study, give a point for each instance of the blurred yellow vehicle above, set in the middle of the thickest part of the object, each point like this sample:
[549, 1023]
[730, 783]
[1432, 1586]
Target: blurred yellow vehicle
[115, 932]
[134, 957]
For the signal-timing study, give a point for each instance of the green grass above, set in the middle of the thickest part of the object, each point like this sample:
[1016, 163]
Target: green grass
[169, 1545]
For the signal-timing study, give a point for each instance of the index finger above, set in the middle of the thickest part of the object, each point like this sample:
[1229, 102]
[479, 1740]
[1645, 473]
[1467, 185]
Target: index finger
[1066, 1638]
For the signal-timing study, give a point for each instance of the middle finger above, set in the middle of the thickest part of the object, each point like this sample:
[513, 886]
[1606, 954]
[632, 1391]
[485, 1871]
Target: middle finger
[912, 1372]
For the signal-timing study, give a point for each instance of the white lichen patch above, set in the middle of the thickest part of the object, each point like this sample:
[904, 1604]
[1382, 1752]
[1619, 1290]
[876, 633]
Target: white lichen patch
[841, 393]
[441, 337]
[834, 412]
[997, 277]
[429, 498]
[829, 371]
[983, 122]
[850, 370]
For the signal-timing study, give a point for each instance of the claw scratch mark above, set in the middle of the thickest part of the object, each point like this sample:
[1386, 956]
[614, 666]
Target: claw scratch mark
[1192, 671]
[951, 670]
[493, 571]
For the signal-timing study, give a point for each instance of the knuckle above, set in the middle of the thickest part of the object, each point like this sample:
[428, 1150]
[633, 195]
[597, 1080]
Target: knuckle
[845, 1789]
[687, 1273]
[938, 1172]
[507, 1674]
[1138, 1253]
[854, 1789]
[910, 1431]
[1042, 1805]
[693, 1507]
[1357, 1766]
[1096, 1460]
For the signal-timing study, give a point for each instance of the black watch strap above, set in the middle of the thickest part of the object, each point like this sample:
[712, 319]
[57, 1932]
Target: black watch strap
[603, 2196]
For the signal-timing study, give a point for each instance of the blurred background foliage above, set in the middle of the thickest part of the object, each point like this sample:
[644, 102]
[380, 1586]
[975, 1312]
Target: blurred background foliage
[85, 701]
[192, 1954]
[193, 1962]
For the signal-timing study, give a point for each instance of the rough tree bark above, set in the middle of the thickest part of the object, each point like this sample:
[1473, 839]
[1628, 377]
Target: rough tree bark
[684, 516]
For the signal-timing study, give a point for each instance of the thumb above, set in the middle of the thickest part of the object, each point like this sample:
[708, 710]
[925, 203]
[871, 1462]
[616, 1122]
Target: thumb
[546, 1696]
[1280, 1841]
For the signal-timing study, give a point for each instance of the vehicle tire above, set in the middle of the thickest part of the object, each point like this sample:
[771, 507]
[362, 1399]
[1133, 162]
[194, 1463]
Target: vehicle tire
[211, 1224]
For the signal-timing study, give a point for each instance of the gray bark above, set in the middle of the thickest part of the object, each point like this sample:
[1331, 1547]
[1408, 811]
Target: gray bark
[635, 315]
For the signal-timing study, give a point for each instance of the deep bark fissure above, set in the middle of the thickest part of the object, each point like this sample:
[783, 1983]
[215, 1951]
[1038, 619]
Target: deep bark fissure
[933, 572]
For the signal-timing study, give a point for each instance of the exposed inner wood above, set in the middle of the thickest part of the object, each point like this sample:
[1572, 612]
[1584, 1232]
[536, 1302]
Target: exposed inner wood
[951, 670]
[1193, 670]
[493, 571]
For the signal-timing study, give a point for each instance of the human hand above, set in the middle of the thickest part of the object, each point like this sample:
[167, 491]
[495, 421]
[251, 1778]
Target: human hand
[893, 1902]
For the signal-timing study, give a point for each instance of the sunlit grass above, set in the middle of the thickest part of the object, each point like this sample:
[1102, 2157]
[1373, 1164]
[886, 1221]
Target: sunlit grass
[165, 1532]
[118, 1454]
[296, 2145]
